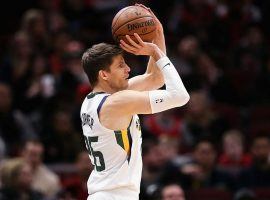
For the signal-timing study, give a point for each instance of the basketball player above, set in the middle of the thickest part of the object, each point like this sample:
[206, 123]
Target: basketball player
[110, 123]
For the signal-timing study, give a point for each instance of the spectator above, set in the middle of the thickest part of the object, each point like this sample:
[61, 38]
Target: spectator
[9, 126]
[44, 180]
[17, 61]
[172, 192]
[204, 172]
[76, 184]
[72, 74]
[58, 148]
[258, 174]
[201, 120]
[56, 58]
[35, 86]
[199, 171]
[169, 147]
[34, 24]
[164, 123]
[195, 64]
[154, 163]
[249, 60]
[233, 157]
[17, 181]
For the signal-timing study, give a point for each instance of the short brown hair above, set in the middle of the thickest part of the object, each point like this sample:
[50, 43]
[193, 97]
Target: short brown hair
[99, 57]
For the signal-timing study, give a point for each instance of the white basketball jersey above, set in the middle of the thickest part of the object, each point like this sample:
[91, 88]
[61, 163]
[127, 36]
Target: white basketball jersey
[116, 155]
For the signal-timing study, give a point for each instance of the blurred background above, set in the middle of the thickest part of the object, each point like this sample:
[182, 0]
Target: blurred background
[215, 147]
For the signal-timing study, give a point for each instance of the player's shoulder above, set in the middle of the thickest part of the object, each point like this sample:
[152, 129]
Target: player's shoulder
[91, 100]
[94, 97]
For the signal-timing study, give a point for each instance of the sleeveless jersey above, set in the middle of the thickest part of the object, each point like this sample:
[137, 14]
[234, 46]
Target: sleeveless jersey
[115, 154]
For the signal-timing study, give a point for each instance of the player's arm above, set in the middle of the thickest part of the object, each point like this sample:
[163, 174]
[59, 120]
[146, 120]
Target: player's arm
[152, 79]
[130, 102]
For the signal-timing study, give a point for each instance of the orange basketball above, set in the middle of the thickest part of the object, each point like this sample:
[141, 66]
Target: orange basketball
[133, 19]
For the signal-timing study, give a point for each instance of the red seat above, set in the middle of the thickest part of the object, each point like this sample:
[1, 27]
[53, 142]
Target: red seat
[209, 194]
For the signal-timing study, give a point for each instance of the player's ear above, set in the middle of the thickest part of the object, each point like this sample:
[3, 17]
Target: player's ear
[103, 75]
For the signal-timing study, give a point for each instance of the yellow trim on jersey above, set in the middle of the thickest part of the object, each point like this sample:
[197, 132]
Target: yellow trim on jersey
[125, 140]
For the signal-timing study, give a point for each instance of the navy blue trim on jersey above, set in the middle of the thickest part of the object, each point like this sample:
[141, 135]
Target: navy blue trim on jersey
[100, 104]
[130, 143]
[129, 139]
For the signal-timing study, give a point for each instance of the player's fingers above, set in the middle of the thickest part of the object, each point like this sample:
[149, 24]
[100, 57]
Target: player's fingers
[131, 41]
[127, 45]
[123, 47]
[126, 49]
[139, 39]
[147, 8]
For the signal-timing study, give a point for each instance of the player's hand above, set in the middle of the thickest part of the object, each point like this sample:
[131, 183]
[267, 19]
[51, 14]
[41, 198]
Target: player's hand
[140, 47]
[159, 38]
[159, 27]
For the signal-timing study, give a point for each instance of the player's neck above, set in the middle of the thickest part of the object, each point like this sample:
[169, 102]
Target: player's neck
[103, 88]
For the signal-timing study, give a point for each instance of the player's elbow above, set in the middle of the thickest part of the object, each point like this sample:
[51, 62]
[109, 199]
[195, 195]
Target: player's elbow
[185, 98]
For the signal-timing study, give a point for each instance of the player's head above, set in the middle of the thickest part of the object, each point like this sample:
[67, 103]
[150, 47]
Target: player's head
[104, 64]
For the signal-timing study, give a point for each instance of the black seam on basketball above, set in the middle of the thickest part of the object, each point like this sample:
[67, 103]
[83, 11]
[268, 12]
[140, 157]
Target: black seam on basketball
[138, 34]
[131, 21]
[124, 9]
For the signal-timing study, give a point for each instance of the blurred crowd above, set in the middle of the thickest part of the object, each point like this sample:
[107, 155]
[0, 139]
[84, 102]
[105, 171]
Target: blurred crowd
[219, 141]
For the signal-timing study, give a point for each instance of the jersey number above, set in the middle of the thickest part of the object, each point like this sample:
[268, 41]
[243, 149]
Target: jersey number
[96, 154]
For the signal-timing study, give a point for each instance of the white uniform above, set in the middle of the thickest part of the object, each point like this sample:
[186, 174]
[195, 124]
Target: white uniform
[116, 155]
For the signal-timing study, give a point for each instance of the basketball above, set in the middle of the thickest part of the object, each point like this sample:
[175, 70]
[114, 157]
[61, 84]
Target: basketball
[133, 19]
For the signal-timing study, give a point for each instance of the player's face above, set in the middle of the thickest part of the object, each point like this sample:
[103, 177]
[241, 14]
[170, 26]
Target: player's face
[119, 73]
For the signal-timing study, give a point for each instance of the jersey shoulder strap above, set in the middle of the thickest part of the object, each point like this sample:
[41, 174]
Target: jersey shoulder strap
[101, 103]
[98, 101]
